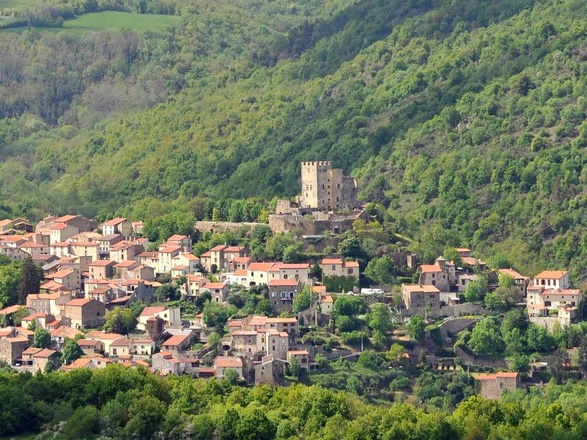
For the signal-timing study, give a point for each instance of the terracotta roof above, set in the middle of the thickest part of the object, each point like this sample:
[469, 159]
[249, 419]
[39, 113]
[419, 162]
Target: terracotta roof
[283, 283]
[150, 311]
[512, 273]
[101, 263]
[241, 272]
[177, 237]
[87, 342]
[234, 249]
[462, 250]
[333, 261]
[503, 374]
[96, 334]
[78, 302]
[551, 274]
[429, 268]
[62, 332]
[214, 285]
[242, 259]
[45, 353]
[127, 263]
[60, 274]
[244, 333]
[11, 309]
[561, 292]
[169, 250]
[65, 218]
[5, 222]
[351, 264]
[115, 221]
[262, 267]
[420, 288]
[228, 362]
[59, 226]
[174, 341]
[220, 247]
[298, 352]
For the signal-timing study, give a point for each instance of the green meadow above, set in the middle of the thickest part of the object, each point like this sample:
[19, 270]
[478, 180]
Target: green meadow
[120, 20]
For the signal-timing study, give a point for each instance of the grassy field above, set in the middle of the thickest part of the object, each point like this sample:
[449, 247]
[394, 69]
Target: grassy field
[99, 21]
[9, 4]
[120, 20]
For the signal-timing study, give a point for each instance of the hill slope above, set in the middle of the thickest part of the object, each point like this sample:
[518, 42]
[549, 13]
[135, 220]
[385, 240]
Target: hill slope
[465, 119]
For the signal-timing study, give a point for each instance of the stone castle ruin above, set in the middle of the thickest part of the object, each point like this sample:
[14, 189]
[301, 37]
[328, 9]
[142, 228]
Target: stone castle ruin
[328, 202]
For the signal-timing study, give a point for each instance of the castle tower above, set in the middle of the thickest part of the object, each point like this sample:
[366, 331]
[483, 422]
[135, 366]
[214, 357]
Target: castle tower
[325, 188]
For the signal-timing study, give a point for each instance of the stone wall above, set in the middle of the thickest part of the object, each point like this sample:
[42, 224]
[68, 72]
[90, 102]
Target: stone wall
[444, 311]
[204, 226]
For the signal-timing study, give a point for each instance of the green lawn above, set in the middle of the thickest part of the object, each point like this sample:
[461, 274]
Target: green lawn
[100, 21]
[120, 20]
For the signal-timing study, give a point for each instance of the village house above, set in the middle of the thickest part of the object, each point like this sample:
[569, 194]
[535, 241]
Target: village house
[282, 294]
[34, 249]
[125, 250]
[85, 249]
[106, 242]
[420, 296]
[60, 232]
[70, 279]
[259, 273]
[189, 261]
[191, 288]
[166, 256]
[120, 347]
[218, 291]
[441, 274]
[541, 301]
[102, 269]
[105, 338]
[91, 347]
[238, 277]
[91, 363]
[176, 343]
[12, 347]
[182, 241]
[552, 279]
[13, 253]
[83, 313]
[36, 359]
[50, 303]
[141, 290]
[302, 356]
[171, 316]
[337, 267]
[44, 320]
[492, 386]
[59, 335]
[287, 325]
[519, 280]
[224, 363]
[270, 371]
[117, 225]
[142, 347]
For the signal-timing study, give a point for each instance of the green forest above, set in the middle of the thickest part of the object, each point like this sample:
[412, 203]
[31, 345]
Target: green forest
[463, 121]
[122, 403]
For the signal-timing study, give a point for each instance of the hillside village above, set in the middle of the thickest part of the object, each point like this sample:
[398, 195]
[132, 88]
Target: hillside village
[172, 308]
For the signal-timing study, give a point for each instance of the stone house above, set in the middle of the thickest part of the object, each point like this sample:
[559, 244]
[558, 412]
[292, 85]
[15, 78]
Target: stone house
[36, 359]
[224, 363]
[171, 316]
[420, 296]
[59, 335]
[552, 279]
[337, 267]
[105, 338]
[118, 225]
[125, 250]
[540, 302]
[68, 278]
[434, 275]
[11, 348]
[270, 371]
[492, 386]
[102, 269]
[91, 347]
[84, 313]
[106, 242]
[50, 303]
[182, 241]
[176, 344]
[282, 293]
[60, 232]
[302, 356]
[219, 291]
[166, 256]
[259, 273]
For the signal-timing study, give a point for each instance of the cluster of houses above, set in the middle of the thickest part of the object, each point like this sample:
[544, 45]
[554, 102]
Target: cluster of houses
[91, 268]
[548, 295]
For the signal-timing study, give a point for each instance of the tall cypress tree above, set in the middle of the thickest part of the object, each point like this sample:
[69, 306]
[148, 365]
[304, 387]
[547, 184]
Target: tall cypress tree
[30, 280]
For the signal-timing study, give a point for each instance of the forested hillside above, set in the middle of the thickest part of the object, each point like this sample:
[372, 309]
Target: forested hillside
[464, 119]
[121, 403]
